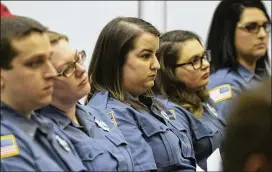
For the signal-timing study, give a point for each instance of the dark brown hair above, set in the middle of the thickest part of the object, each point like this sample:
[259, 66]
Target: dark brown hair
[110, 52]
[249, 128]
[167, 83]
[15, 27]
[220, 39]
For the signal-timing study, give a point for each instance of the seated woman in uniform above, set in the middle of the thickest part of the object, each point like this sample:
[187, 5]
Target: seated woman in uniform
[101, 148]
[28, 141]
[123, 69]
[181, 84]
[238, 40]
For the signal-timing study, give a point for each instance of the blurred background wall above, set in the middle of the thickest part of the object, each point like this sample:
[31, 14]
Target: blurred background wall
[82, 21]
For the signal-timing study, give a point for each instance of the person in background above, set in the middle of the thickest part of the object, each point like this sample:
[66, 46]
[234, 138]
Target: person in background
[100, 147]
[249, 135]
[123, 69]
[238, 40]
[28, 141]
[181, 87]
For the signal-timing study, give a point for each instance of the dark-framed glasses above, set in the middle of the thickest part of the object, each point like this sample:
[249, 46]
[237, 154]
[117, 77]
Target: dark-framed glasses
[254, 27]
[197, 62]
[70, 69]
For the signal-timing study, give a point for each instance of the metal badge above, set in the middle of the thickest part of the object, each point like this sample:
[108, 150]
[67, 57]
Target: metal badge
[63, 143]
[112, 117]
[164, 115]
[212, 110]
[102, 124]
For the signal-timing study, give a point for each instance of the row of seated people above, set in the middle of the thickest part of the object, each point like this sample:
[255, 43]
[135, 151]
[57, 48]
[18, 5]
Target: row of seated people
[151, 104]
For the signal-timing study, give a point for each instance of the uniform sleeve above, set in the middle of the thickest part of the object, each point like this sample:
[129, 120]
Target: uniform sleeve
[15, 156]
[141, 151]
[223, 96]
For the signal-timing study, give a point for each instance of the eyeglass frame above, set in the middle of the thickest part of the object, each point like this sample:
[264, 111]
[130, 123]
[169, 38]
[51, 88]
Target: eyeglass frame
[78, 53]
[208, 58]
[244, 26]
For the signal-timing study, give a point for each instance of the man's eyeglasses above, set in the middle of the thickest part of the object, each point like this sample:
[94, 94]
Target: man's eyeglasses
[255, 27]
[197, 62]
[70, 69]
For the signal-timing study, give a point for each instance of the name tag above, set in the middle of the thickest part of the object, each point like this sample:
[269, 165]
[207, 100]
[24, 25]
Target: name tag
[102, 124]
[63, 143]
[211, 109]
[164, 115]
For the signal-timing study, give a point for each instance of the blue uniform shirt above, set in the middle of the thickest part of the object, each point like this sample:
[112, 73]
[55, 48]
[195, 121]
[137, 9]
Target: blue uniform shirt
[206, 133]
[226, 84]
[34, 144]
[100, 147]
[154, 141]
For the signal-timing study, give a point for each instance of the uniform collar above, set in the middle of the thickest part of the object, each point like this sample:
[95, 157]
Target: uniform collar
[84, 115]
[29, 126]
[99, 99]
[56, 115]
[247, 75]
[162, 99]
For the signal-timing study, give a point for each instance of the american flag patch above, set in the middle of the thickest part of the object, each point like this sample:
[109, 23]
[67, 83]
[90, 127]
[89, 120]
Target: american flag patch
[220, 93]
[8, 146]
[224, 89]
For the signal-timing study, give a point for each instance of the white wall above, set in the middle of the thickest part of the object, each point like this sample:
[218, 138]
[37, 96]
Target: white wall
[82, 21]
[196, 16]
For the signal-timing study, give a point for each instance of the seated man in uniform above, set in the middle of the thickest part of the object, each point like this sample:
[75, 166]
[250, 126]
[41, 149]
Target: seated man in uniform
[28, 141]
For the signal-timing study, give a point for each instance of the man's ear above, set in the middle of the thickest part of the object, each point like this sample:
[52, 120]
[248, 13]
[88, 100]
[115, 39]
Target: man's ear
[256, 162]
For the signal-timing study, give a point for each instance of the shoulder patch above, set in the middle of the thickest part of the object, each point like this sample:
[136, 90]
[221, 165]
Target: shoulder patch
[111, 114]
[173, 112]
[9, 146]
[220, 93]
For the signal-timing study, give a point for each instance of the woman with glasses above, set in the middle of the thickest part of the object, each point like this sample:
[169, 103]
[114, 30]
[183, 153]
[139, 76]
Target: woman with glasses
[238, 40]
[123, 69]
[101, 147]
[181, 87]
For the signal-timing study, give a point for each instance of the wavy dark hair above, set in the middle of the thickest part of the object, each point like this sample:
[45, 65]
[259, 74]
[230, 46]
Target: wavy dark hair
[220, 39]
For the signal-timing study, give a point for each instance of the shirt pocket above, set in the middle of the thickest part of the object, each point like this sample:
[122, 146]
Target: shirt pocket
[186, 142]
[116, 139]
[118, 148]
[203, 143]
[155, 135]
[42, 164]
[94, 156]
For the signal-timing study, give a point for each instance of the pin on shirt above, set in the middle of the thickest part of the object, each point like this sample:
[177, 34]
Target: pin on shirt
[164, 115]
[212, 109]
[63, 144]
[102, 124]
[173, 112]
[111, 114]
